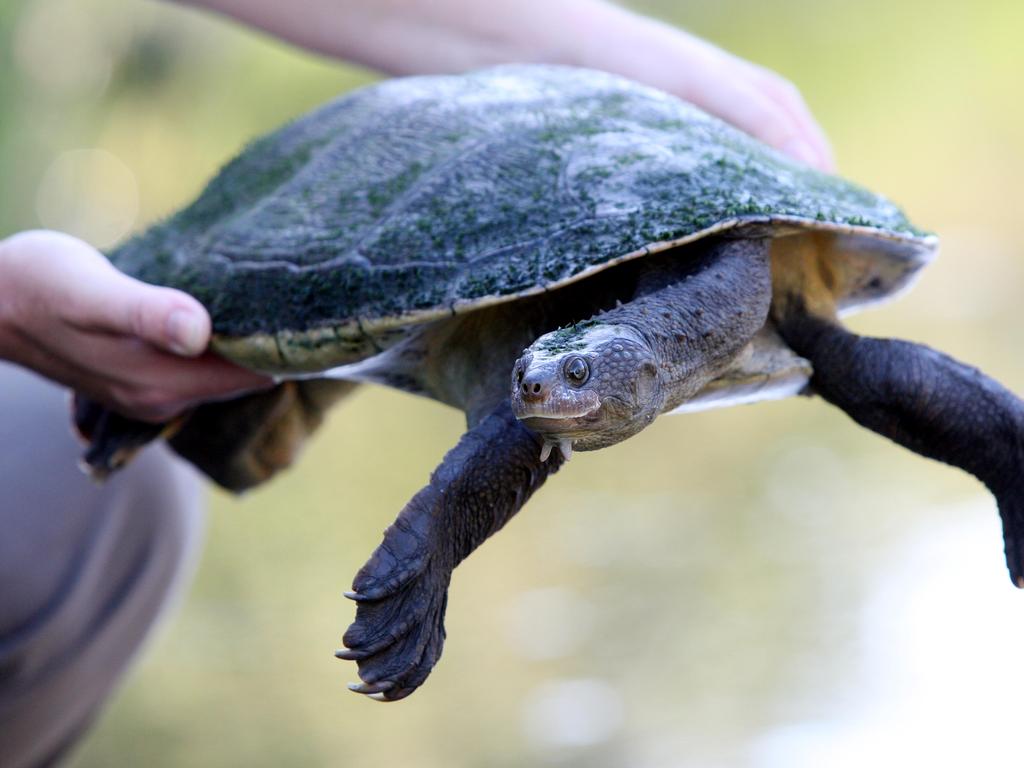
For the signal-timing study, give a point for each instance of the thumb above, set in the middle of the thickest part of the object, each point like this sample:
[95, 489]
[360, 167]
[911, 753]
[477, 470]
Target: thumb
[104, 298]
[168, 319]
[78, 283]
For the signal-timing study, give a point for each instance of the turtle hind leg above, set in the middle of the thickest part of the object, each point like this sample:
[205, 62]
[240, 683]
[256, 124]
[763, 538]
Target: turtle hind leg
[925, 401]
[402, 591]
[243, 442]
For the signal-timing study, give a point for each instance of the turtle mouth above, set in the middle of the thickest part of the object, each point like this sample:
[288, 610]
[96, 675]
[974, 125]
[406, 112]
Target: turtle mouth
[547, 413]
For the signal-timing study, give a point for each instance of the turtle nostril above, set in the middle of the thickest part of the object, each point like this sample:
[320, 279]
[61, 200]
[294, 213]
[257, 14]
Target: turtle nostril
[533, 388]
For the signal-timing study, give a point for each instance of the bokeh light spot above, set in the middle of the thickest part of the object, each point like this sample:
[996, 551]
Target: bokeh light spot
[89, 193]
[548, 623]
[572, 713]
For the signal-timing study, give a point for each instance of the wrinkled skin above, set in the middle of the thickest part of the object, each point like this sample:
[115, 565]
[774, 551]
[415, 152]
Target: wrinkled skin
[606, 379]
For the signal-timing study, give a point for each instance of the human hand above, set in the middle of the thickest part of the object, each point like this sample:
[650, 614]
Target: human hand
[68, 314]
[751, 97]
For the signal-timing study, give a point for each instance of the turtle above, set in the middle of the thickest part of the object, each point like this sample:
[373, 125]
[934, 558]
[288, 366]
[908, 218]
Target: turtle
[563, 255]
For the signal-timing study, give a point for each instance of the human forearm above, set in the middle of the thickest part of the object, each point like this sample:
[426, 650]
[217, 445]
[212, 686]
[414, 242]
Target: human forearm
[414, 36]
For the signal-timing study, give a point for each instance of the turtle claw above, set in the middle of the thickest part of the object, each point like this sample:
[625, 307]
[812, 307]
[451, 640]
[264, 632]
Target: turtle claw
[400, 597]
[371, 689]
[348, 655]
[397, 640]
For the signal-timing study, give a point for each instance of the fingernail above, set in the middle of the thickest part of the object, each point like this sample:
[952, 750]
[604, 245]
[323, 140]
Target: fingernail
[800, 150]
[186, 333]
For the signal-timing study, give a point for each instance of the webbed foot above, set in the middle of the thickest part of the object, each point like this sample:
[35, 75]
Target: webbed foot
[397, 640]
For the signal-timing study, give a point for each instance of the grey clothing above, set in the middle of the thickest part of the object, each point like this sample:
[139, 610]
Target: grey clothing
[84, 570]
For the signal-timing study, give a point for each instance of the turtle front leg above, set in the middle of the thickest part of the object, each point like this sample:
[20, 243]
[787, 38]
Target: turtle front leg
[925, 401]
[403, 590]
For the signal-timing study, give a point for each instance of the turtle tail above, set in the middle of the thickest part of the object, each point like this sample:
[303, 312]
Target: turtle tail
[112, 440]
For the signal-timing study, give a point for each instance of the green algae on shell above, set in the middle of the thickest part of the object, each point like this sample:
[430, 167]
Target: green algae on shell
[415, 198]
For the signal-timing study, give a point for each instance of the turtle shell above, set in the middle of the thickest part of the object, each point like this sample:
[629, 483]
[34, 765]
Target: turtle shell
[408, 201]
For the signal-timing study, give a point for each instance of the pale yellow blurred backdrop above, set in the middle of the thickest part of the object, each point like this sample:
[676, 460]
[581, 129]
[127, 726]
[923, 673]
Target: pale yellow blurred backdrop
[766, 586]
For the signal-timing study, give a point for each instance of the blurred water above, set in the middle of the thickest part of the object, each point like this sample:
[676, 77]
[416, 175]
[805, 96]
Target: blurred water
[764, 586]
[936, 664]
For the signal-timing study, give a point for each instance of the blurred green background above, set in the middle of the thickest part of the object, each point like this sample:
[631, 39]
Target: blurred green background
[763, 586]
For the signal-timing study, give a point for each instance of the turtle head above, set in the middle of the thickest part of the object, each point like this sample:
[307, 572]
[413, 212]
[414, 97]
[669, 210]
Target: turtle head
[588, 386]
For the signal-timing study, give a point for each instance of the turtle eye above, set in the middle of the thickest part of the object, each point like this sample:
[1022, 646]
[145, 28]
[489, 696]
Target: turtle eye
[576, 370]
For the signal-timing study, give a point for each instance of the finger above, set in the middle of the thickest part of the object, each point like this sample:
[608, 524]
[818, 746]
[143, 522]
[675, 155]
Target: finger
[788, 96]
[746, 95]
[67, 278]
[169, 319]
[739, 101]
[139, 380]
[166, 386]
[39, 358]
[772, 116]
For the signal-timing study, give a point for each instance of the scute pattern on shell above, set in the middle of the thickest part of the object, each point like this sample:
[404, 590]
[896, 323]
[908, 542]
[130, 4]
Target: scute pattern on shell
[418, 193]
